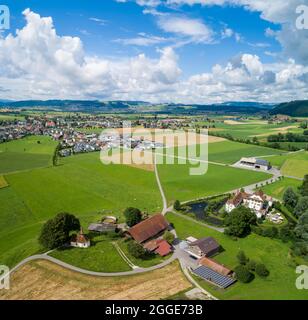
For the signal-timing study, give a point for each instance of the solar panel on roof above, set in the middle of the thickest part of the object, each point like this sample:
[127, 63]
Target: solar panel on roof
[213, 276]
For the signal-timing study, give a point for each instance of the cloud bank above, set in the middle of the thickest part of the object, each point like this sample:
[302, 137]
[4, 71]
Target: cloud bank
[37, 63]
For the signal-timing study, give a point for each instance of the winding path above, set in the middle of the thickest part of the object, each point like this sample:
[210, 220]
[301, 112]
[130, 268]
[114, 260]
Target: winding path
[92, 273]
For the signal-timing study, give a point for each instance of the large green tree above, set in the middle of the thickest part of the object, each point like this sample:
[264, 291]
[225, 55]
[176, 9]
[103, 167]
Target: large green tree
[304, 187]
[132, 216]
[243, 274]
[300, 245]
[56, 231]
[136, 249]
[301, 207]
[239, 222]
[290, 198]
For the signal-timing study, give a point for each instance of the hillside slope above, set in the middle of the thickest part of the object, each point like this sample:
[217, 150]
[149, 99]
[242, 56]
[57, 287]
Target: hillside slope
[294, 108]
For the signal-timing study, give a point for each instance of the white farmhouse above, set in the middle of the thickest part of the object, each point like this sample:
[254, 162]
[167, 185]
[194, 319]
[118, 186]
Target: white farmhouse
[257, 202]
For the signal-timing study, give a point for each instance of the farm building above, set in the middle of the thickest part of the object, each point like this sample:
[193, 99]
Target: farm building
[149, 229]
[158, 246]
[80, 240]
[108, 224]
[255, 163]
[212, 264]
[204, 247]
[214, 277]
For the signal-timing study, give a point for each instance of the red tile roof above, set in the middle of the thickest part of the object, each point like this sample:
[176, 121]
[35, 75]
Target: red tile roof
[207, 262]
[148, 228]
[164, 248]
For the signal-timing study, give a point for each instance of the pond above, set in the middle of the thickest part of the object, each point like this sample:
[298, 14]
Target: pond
[197, 209]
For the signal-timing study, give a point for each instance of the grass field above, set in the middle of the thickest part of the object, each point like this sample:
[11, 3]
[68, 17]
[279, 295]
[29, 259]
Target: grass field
[280, 284]
[278, 188]
[250, 129]
[26, 153]
[179, 184]
[230, 152]
[80, 185]
[42, 280]
[292, 164]
[102, 256]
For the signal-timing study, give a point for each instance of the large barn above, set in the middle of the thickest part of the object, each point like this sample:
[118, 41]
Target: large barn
[149, 229]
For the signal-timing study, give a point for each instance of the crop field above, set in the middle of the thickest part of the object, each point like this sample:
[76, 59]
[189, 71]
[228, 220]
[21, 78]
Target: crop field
[10, 117]
[278, 188]
[179, 184]
[280, 284]
[292, 164]
[80, 185]
[27, 153]
[249, 129]
[42, 280]
[229, 152]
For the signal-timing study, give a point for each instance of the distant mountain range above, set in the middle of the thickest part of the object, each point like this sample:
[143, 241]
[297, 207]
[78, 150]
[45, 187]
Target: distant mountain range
[295, 108]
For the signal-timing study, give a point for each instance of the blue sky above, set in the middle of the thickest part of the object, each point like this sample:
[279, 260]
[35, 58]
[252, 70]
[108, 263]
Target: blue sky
[126, 20]
[182, 41]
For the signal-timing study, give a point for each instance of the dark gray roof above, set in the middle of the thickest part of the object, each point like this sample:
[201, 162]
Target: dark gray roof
[213, 276]
[262, 162]
[206, 245]
[101, 227]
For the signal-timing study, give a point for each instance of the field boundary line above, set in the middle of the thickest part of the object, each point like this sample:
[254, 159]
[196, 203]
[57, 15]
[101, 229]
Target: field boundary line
[123, 255]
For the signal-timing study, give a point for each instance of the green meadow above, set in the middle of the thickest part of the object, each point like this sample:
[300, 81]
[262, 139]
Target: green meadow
[101, 256]
[27, 153]
[80, 185]
[249, 129]
[229, 152]
[278, 188]
[179, 184]
[280, 284]
[292, 164]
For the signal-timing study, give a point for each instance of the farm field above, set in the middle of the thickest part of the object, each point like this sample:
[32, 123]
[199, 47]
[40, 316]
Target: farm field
[243, 130]
[27, 153]
[102, 256]
[80, 185]
[42, 280]
[229, 152]
[292, 164]
[280, 284]
[278, 188]
[10, 117]
[179, 184]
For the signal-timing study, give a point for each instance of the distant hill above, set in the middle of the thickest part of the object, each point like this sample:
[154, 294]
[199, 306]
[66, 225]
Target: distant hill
[297, 108]
[95, 106]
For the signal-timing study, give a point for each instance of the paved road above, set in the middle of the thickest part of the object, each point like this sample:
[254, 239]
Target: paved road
[161, 190]
[93, 273]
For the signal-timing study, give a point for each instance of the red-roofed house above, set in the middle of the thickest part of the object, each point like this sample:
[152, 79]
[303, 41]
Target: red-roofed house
[149, 229]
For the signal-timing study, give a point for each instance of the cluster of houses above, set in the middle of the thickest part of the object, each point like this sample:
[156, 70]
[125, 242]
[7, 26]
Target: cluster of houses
[149, 233]
[258, 202]
[112, 141]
